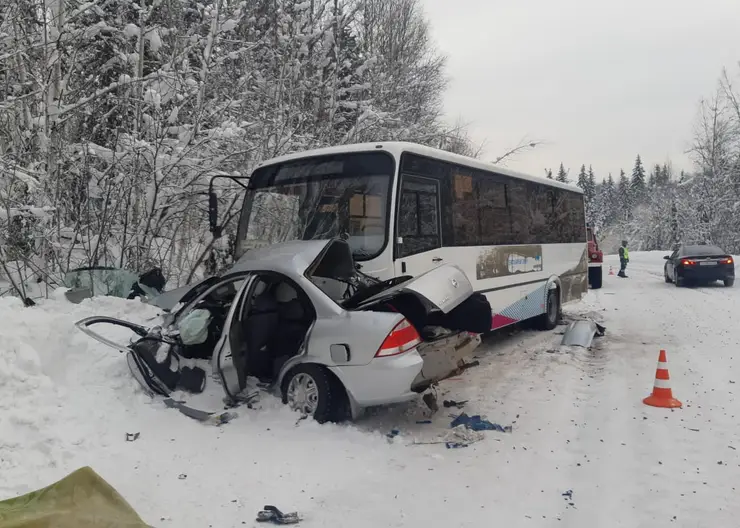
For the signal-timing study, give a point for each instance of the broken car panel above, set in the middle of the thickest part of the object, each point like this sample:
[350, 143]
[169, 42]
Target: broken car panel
[299, 317]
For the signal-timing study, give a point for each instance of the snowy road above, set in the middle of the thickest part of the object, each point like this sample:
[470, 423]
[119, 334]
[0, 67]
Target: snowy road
[578, 418]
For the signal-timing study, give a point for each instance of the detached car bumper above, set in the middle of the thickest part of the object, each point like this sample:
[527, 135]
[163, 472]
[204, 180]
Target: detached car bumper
[383, 381]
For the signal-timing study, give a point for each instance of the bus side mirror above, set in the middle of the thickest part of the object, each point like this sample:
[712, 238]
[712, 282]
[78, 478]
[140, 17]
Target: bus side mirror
[213, 214]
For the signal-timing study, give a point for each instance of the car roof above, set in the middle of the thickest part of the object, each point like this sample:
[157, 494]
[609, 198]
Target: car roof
[701, 249]
[289, 258]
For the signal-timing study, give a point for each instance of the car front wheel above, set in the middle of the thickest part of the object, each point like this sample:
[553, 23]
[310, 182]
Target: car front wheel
[313, 390]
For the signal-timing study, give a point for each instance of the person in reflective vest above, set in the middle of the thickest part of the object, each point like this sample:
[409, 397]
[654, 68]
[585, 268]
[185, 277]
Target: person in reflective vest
[624, 258]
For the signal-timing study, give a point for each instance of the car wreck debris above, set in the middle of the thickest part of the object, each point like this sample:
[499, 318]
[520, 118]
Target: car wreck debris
[301, 320]
[581, 333]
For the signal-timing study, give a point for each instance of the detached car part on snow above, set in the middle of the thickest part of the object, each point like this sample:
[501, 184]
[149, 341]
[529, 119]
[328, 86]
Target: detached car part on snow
[301, 318]
[581, 333]
[85, 282]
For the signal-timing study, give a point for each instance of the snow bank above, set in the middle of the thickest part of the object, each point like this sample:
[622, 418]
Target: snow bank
[68, 401]
[578, 425]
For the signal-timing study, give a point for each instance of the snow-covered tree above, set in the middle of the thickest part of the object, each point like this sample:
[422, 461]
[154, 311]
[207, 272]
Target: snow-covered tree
[562, 174]
[115, 115]
[582, 181]
[663, 176]
[591, 184]
[624, 197]
[638, 185]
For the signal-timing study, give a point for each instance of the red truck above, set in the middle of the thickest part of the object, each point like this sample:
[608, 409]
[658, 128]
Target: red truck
[595, 260]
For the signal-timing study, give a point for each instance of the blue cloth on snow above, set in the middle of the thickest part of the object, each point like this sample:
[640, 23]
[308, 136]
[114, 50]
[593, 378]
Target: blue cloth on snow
[476, 423]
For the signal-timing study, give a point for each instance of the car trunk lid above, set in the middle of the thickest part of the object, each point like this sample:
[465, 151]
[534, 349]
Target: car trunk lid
[443, 288]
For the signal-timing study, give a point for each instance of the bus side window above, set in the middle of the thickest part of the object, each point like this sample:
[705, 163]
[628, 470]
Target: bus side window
[418, 215]
[465, 203]
[528, 223]
[494, 214]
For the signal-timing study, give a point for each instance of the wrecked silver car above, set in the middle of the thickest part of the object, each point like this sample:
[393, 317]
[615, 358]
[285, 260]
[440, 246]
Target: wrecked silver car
[300, 318]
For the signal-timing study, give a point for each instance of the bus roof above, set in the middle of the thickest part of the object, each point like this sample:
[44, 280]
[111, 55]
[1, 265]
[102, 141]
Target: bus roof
[397, 147]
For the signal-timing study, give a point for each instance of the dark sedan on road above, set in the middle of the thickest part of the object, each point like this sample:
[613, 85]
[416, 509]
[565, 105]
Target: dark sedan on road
[699, 264]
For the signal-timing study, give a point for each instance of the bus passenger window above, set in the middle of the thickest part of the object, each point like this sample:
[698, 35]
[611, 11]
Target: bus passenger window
[493, 211]
[418, 215]
[465, 228]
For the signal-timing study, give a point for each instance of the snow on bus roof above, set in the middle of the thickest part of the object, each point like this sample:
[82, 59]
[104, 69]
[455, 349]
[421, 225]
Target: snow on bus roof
[397, 147]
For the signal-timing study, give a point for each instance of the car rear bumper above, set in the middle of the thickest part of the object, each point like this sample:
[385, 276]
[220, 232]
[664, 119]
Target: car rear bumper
[706, 273]
[382, 381]
[443, 358]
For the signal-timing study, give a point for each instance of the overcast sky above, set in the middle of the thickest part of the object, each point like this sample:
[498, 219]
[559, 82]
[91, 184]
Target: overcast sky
[599, 81]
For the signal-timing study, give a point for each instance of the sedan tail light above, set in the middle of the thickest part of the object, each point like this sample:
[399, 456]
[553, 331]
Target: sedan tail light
[687, 262]
[727, 260]
[402, 338]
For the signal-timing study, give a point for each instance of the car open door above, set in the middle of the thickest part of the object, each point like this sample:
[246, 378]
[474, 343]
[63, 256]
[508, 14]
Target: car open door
[230, 355]
[86, 323]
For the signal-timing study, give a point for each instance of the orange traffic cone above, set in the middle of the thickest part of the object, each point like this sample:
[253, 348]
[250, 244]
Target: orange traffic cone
[662, 395]
[611, 270]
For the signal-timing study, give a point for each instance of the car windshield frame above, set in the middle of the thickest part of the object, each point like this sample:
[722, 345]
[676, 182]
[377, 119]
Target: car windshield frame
[320, 194]
[701, 251]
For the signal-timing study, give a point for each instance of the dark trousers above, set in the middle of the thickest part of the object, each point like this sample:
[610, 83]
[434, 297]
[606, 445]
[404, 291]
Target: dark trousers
[622, 266]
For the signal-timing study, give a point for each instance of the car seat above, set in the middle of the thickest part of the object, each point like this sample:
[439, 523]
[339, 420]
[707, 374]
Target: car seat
[259, 325]
[295, 318]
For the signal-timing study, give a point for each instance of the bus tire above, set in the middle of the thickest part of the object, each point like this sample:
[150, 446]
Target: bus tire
[549, 319]
[595, 277]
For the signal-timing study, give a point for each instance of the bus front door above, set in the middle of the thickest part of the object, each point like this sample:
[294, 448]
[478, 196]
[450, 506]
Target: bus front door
[418, 245]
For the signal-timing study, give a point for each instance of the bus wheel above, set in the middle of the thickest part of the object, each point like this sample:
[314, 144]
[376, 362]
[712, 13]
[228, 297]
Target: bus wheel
[549, 319]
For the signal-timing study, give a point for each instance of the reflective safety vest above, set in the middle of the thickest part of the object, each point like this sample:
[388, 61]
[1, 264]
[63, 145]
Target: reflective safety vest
[624, 253]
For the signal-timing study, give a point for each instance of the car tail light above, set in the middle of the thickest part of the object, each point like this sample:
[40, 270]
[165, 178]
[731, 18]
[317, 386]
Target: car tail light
[402, 338]
[727, 261]
[687, 262]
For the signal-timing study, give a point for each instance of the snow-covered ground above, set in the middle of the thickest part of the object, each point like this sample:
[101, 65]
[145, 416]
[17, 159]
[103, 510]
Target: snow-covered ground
[578, 424]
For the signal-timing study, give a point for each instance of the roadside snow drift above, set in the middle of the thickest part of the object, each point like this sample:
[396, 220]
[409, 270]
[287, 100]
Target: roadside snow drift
[584, 450]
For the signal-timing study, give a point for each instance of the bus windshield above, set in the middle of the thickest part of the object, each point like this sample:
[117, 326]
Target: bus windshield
[320, 198]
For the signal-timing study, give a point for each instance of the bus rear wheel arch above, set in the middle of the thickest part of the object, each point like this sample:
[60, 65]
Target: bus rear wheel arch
[553, 306]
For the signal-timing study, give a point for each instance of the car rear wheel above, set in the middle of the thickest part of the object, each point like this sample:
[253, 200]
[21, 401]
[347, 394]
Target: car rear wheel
[729, 282]
[313, 390]
[549, 319]
[678, 282]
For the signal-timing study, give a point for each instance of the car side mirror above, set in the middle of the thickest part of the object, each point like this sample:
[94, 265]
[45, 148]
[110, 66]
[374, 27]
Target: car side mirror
[667, 257]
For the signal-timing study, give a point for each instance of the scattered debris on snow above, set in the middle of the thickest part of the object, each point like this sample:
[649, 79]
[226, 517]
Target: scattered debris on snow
[478, 423]
[273, 515]
[581, 333]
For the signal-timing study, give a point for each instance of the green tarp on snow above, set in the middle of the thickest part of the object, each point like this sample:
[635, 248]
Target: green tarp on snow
[80, 500]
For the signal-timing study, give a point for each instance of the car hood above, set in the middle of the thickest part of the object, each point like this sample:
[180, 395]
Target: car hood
[169, 299]
[443, 288]
[326, 258]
